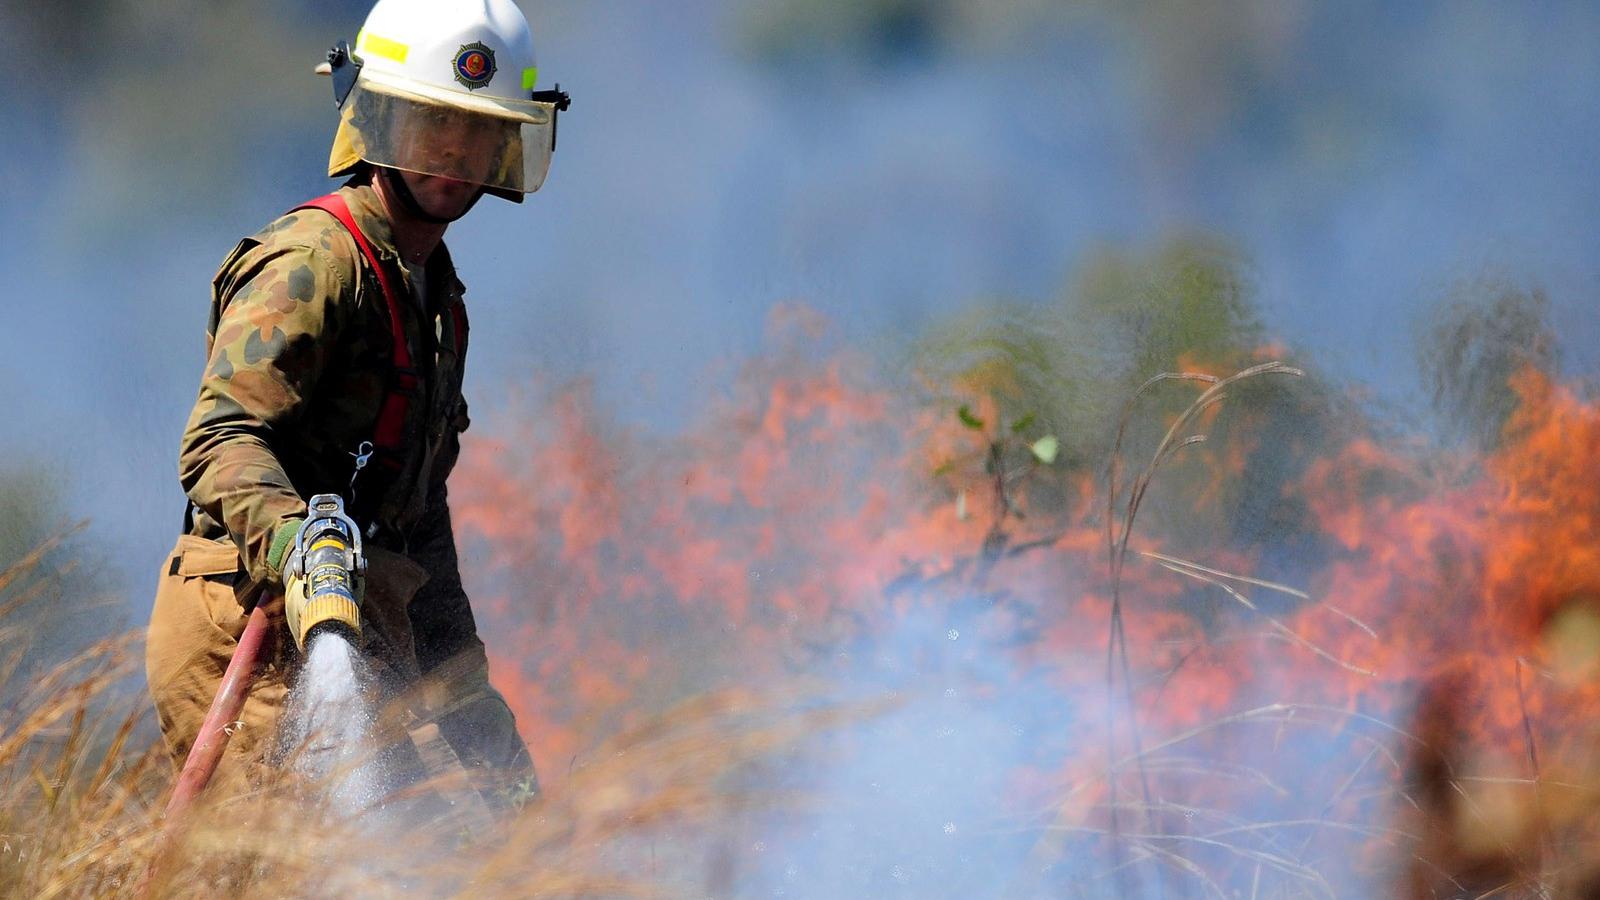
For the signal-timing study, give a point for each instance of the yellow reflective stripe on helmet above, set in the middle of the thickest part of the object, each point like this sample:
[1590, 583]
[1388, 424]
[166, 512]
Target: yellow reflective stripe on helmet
[380, 46]
[529, 76]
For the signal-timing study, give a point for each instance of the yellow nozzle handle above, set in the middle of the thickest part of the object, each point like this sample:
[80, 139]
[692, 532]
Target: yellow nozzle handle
[324, 579]
[328, 608]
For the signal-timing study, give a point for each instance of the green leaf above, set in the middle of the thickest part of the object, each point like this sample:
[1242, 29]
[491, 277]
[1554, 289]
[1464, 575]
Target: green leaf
[945, 468]
[1022, 424]
[1046, 448]
[968, 419]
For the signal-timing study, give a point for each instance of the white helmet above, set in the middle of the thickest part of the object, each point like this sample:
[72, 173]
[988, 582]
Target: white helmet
[446, 88]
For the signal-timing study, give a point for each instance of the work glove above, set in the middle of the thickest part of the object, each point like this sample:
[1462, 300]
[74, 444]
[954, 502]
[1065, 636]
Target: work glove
[475, 721]
[483, 733]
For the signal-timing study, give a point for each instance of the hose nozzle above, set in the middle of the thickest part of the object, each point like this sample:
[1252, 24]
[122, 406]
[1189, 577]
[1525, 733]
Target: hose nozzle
[325, 574]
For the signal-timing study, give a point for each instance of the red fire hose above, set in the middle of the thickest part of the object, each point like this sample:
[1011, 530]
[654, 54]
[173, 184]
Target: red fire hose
[209, 744]
[214, 731]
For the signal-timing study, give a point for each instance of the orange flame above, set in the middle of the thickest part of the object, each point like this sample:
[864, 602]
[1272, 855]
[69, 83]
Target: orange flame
[621, 572]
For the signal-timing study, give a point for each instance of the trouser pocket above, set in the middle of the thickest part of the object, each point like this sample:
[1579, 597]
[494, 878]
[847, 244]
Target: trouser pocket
[194, 627]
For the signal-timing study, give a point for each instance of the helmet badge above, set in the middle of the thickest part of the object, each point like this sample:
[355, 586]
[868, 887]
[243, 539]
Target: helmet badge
[474, 65]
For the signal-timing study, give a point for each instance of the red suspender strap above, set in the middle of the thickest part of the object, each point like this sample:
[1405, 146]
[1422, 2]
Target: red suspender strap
[392, 417]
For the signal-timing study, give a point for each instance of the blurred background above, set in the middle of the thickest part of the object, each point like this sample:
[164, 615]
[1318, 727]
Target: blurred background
[1399, 198]
[885, 163]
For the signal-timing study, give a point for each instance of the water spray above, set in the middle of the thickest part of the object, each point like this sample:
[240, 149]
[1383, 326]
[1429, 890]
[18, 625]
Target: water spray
[328, 723]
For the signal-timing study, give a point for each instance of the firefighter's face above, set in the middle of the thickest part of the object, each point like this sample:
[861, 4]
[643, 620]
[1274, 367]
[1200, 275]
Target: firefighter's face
[463, 152]
[446, 198]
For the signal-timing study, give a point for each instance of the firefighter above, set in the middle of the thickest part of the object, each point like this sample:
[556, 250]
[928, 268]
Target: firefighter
[336, 344]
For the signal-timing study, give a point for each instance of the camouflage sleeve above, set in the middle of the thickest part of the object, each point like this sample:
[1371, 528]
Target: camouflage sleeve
[479, 726]
[282, 308]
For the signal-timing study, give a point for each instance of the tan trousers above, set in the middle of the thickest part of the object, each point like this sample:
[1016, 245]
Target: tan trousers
[194, 628]
[200, 612]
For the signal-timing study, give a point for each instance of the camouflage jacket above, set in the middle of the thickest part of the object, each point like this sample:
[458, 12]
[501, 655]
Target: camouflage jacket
[299, 361]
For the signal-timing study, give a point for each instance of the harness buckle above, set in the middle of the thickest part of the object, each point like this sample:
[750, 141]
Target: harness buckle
[363, 455]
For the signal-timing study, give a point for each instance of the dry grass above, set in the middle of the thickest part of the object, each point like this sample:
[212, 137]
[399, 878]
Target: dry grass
[661, 809]
[83, 783]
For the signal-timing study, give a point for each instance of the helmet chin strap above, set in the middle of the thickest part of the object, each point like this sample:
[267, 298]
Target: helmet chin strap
[402, 191]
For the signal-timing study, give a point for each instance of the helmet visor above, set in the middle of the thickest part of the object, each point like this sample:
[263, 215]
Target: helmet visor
[503, 151]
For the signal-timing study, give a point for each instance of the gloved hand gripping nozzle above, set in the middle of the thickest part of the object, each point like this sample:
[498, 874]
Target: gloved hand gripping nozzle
[326, 572]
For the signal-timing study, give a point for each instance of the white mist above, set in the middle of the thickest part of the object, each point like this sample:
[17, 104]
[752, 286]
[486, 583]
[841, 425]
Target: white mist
[328, 726]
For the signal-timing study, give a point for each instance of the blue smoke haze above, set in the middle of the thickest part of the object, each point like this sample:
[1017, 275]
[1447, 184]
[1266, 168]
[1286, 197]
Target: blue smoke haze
[1365, 157]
